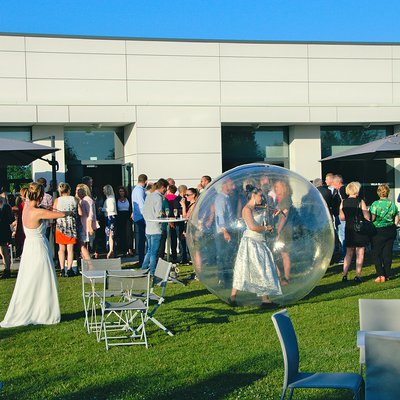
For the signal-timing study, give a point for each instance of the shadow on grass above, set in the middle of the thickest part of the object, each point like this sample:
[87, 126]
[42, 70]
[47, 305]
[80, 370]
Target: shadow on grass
[187, 295]
[324, 289]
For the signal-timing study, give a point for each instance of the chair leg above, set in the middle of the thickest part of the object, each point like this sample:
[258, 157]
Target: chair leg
[160, 325]
[283, 394]
[291, 394]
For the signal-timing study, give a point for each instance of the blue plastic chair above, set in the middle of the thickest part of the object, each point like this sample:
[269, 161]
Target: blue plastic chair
[294, 378]
[382, 369]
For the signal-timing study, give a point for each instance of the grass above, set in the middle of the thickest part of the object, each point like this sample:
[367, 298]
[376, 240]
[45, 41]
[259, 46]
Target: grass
[218, 352]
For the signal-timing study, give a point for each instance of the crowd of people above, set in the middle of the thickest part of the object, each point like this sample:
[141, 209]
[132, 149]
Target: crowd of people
[348, 210]
[125, 222]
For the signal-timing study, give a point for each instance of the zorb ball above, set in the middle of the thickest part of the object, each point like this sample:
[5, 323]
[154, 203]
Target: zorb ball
[280, 255]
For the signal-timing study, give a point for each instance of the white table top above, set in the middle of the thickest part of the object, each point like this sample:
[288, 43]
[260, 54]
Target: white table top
[170, 219]
[361, 335]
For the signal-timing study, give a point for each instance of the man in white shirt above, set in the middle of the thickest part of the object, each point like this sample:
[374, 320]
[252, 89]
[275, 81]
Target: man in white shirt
[151, 211]
[138, 198]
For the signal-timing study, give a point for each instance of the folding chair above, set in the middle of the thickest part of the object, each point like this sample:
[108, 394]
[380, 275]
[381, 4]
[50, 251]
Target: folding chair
[92, 272]
[378, 315]
[161, 277]
[121, 316]
[382, 373]
[294, 378]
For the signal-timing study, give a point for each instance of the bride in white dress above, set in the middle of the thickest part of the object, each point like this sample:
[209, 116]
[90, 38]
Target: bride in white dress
[35, 298]
[254, 269]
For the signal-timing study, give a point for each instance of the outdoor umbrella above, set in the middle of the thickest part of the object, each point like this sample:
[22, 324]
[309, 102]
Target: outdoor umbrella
[388, 147]
[17, 152]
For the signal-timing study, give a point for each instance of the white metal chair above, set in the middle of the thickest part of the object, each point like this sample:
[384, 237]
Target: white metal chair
[293, 378]
[382, 368]
[119, 317]
[161, 277]
[92, 273]
[378, 315]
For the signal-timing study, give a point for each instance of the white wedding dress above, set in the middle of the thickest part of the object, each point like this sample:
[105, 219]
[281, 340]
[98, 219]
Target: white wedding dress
[255, 269]
[35, 297]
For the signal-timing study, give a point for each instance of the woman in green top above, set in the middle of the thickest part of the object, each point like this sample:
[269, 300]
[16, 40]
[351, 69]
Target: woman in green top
[385, 218]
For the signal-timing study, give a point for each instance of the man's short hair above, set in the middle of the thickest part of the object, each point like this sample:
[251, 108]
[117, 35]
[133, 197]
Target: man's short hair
[42, 181]
[317, 182]
[207, 178]
[338, 178]
[161, 183]
[142, 178]
[87, 180]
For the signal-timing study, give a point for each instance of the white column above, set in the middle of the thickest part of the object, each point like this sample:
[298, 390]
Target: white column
[305, 150]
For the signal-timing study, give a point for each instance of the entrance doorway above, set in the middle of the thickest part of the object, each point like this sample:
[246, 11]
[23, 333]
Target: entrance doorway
[102, 174]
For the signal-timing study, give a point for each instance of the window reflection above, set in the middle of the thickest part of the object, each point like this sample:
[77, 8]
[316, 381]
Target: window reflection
[88, 144]
[246, 144]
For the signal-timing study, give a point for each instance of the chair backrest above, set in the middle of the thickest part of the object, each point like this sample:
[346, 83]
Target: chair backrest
[128, 281]
[382, 368]
[287, 337]
[162, 271]
[379, 314]
[99, 264]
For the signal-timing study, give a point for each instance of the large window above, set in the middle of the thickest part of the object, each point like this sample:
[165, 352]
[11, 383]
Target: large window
[248, 144]
[13, 176]
[92, 144]
[335, 139]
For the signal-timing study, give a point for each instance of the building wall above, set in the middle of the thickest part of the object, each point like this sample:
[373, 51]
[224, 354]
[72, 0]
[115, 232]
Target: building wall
[173, 96]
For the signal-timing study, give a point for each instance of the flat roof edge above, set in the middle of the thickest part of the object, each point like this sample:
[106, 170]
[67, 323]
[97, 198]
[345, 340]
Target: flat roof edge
[154, 39]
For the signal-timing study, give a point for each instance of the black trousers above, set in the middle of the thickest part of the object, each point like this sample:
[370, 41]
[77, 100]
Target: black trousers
[382, 249]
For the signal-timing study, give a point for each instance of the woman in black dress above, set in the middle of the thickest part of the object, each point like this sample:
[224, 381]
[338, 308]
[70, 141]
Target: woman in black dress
[349, 208]
[124, 234]
[6, 219]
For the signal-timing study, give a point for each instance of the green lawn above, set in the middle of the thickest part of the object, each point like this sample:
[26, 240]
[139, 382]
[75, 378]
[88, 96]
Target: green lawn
[218, 352]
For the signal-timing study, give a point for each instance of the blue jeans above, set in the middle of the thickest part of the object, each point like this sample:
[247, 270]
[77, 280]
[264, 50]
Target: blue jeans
[150, 259]
[340, 229]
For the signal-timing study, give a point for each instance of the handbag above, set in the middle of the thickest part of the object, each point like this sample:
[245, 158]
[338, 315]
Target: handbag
[362, 225]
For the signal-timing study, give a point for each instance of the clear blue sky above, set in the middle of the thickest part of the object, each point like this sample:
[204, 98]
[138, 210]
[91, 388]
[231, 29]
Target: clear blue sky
[291, 20]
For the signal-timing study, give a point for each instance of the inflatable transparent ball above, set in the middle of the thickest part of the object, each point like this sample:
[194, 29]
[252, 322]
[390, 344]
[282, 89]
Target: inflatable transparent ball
[285, 252]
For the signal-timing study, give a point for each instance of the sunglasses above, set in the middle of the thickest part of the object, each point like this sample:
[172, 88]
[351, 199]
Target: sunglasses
[188, 194]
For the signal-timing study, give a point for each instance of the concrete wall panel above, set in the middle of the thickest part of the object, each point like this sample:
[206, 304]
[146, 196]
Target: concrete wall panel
[173, 93]
[186, 169]
[173, 68]
[12, 43]
[12, 64]
[326, 70]
[75, 45]
[17, 114]
[171, 48]
[323, 114]
[261, 93]
[120, 115]
[263, 69]
[350, 93]
[272, 115]
[263, 50]
[76, 66]
[52, 114]
[12, 90]
[154, 117]
[68, 91]
[368, 115]
[178, 140]
[348, 51]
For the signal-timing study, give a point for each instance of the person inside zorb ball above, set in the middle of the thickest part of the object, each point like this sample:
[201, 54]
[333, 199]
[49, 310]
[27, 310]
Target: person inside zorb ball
[260, 234]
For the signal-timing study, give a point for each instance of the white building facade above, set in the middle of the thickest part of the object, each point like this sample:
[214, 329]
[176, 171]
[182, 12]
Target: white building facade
[180, 108]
